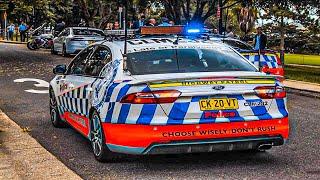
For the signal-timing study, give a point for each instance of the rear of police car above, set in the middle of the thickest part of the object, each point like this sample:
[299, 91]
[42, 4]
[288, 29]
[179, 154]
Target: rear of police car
[191, 96]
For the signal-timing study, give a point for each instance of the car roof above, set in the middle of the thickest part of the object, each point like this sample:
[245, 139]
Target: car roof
[85, 28]
[166, 42]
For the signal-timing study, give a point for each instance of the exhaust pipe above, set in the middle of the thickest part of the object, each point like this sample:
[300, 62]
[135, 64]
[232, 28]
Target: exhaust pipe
[263, 147]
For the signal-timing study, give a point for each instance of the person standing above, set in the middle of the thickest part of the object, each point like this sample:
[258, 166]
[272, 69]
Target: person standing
[230, 32]
[140, 22]
[22, 31]
[165, 22]
[116, 25]
[151, 22]
[11, 29]
[260, 40]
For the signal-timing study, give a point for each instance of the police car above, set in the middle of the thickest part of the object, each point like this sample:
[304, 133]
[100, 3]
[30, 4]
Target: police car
[168, 95]
[267, 60]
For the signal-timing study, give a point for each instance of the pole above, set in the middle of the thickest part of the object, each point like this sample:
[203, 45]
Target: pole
[125, 27]
[220, 18]
[225, 23]
[125, 36]
[5, 25]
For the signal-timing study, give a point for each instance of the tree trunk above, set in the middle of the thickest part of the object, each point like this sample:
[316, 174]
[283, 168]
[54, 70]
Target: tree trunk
[282, 31]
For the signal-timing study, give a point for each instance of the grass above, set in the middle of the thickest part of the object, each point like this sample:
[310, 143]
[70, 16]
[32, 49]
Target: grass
[307, 74]
[302, 59]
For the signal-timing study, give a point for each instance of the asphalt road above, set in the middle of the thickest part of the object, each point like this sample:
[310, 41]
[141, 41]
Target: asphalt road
[299, 158]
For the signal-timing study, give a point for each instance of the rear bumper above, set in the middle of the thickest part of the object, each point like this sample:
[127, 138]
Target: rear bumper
[168, 139]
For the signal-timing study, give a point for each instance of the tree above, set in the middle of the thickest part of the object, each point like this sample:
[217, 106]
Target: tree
[97, 12]
[282, 14]
[194, 10]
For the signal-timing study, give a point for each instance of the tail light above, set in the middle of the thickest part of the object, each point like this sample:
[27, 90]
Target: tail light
[153, 97]
[270, 92]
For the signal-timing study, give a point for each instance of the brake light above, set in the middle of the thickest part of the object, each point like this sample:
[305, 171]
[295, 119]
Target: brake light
[270, 92]
[153, 97]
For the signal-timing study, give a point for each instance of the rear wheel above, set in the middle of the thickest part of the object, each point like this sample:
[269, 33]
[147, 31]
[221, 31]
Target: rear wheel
[31, 45]
[100, 150]
[54, 113]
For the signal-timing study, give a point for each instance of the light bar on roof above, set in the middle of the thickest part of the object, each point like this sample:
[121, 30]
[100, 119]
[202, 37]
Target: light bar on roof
[161, 30]
[120, 32]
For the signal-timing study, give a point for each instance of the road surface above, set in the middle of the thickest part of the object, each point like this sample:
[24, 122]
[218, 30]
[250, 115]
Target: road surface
[299, 158]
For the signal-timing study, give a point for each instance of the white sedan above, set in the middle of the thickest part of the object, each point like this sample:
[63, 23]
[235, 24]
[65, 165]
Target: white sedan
[73, 39]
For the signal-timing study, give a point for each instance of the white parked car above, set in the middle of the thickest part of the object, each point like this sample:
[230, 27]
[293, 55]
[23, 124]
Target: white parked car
[73, 39]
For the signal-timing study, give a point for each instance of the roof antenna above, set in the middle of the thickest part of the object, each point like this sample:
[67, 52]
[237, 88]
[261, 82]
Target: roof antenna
[125, 35]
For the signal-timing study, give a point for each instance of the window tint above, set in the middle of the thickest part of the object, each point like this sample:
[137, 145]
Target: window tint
[186, 60]
[96, 62]
[87, 32]
[153, 62]
[238, 45]
[78, 65]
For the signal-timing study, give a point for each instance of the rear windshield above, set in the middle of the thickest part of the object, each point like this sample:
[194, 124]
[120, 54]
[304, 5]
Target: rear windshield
[87, 32]
[186, 60]
[238, 45]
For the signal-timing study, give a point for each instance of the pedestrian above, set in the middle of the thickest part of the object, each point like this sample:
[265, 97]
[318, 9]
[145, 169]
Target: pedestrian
[11, 29]
[116, 25]
[165, 22]
[82, 23]
[260, 40]
[171, 22]
[109, 26]
[230, 32]
[140, 22]
[22, 31]
[151, 22]
[59, 27]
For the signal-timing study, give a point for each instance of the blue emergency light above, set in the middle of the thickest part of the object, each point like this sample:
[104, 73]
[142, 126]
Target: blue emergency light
[192, 31]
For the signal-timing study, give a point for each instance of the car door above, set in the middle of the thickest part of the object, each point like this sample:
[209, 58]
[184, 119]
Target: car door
[77, 88]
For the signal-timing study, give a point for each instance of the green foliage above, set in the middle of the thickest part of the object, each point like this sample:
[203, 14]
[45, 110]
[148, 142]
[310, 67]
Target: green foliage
[307, 74]
[284, 15]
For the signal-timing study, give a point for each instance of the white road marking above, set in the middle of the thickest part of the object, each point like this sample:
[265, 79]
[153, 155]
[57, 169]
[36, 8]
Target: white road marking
[39, 83]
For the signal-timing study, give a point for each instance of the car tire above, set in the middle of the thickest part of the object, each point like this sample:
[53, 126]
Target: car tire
[100, 150]
[54, 112]
[53, 51]
[64, 51]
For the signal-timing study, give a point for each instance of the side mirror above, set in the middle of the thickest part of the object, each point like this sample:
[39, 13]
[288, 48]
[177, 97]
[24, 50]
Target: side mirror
[60, 69]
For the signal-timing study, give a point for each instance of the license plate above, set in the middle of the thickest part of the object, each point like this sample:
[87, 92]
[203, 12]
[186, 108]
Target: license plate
[218, 104]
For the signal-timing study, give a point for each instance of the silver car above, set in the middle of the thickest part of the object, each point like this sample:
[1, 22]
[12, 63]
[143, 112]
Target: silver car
[73, 39]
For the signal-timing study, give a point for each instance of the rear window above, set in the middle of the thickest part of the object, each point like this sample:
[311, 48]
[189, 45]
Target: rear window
[238, 45]
[87, 32]
[186, 60]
